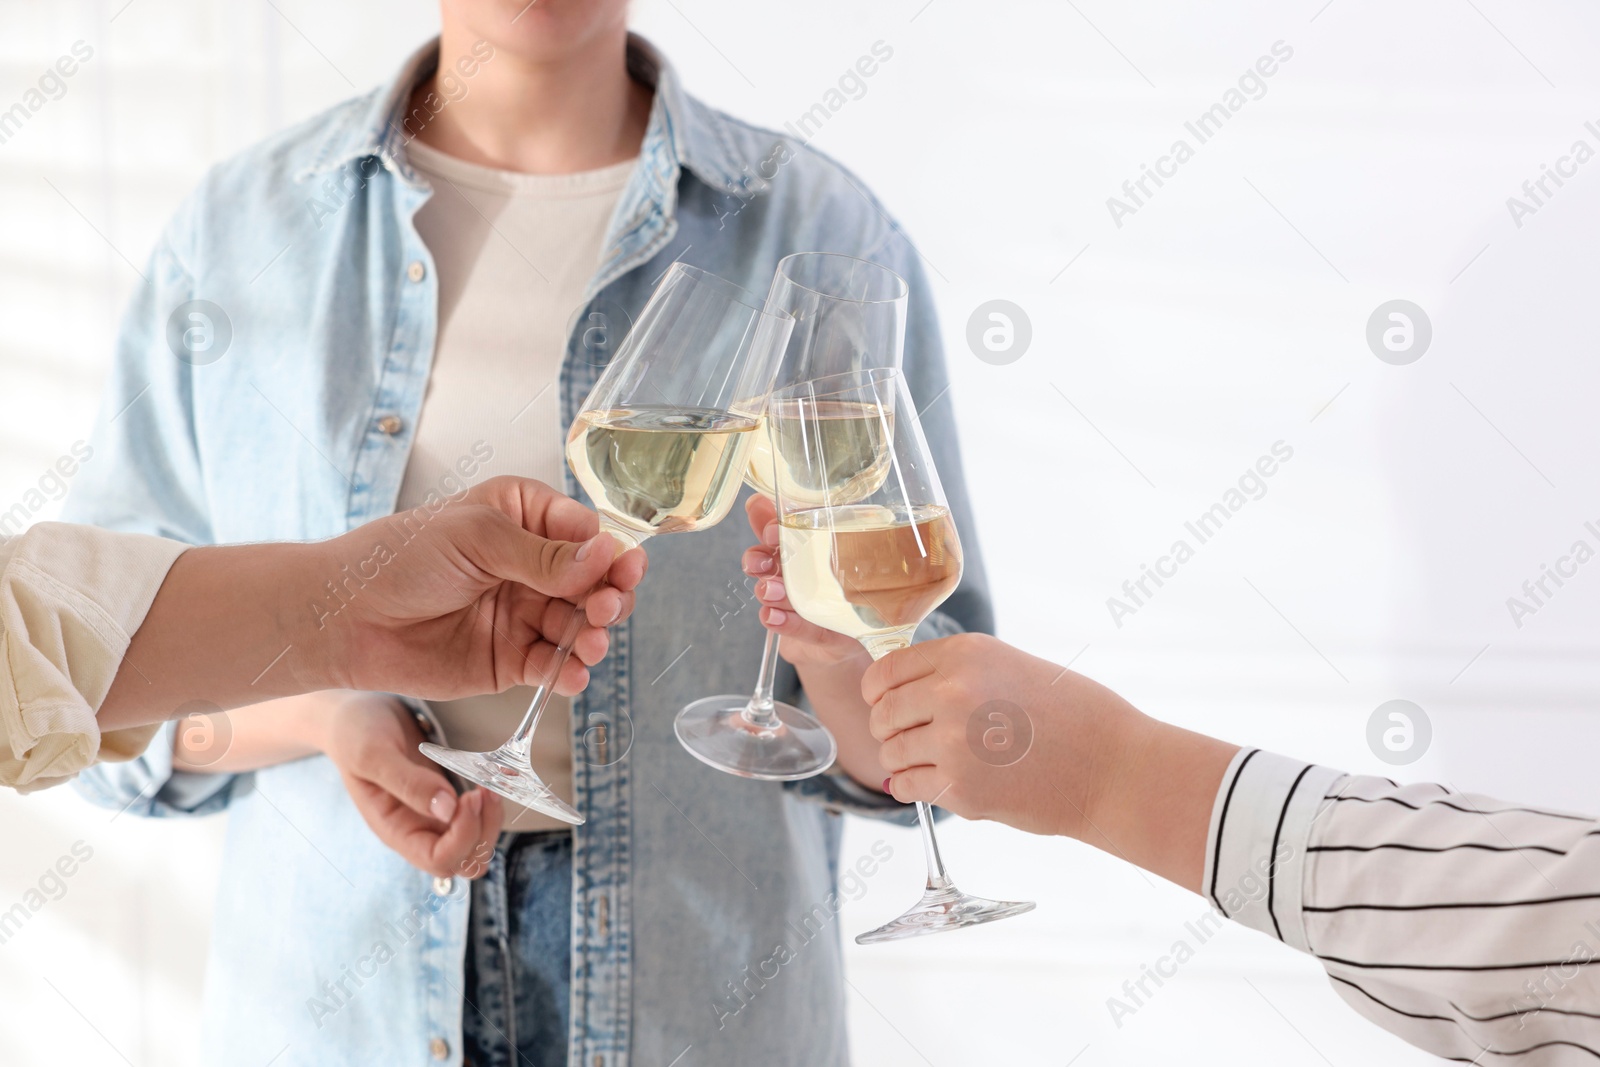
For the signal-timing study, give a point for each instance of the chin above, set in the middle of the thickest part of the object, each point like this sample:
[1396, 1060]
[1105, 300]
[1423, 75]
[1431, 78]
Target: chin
[541, 31]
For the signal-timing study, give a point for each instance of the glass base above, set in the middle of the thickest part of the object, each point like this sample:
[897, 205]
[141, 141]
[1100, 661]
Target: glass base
[504, 774]
[716, 732]
[944, 909]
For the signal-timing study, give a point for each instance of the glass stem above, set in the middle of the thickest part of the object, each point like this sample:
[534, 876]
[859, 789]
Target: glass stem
[518, 746]
[938, 881]
[521, 741]
[759, 712]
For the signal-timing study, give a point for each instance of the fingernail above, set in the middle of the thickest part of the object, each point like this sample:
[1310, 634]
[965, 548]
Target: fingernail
[587, 547]
[777, 616]
[761, 565]
[615, 615]
[443, 805]
[886, 788]
[770, 534]
[772, 589]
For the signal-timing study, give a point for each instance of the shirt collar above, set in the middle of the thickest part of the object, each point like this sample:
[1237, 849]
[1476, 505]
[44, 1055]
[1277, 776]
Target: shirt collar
[680, 133]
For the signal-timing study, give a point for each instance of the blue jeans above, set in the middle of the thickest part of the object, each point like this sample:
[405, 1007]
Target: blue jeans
[519, 948]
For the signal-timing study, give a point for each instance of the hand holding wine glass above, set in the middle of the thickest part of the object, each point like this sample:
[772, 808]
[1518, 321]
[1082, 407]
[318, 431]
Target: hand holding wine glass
[440, 596]
[872, 566]
[660, 445]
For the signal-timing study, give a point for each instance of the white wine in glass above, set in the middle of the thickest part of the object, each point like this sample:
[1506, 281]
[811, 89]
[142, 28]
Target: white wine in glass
[854, 436]
[655, 470]
[870, 571]
[660, 445]
[872, 566]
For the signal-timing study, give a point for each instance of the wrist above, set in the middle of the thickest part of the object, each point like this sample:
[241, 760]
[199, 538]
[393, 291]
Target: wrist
[311, 721]
[317, 717]
[310, 619]
[846, 671]
[1151, 799]
[1119, 738]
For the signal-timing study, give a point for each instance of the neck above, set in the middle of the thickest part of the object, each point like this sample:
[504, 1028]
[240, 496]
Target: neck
[578, 112]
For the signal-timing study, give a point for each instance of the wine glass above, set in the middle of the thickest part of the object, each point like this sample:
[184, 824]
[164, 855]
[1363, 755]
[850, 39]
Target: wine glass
[660, 446]
[871, 565]
[849, 315]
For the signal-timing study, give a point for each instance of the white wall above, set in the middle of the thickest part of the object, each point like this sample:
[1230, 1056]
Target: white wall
[1228, 313]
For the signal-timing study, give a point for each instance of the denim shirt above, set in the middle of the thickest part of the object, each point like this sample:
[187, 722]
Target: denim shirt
[705, 906]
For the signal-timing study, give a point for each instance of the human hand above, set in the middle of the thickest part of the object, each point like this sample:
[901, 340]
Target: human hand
[475, 597]
[403, 798]
[990, 732]
[804, 644]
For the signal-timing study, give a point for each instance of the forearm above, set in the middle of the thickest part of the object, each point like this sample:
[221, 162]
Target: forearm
[1151, 802]
[835, 693]
[257, 736]
[230, 626]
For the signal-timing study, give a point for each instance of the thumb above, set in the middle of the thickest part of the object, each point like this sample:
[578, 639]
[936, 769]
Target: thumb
[422, 789]
[564, 569]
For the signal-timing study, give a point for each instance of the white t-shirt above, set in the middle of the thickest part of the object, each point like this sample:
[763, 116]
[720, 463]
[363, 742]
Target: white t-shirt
[513, 253]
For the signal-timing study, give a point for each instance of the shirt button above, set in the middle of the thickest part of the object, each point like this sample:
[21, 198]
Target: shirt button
[416, 272]
[442, 886]
[390, 424]
[440, 1048]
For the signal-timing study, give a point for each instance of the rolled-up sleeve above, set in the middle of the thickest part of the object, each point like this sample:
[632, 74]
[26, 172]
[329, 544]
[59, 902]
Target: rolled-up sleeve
[71, 598]
[1256, 855]
[1464, 924]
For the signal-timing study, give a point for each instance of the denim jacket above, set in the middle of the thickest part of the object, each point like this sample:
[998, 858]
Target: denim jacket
[705, 906]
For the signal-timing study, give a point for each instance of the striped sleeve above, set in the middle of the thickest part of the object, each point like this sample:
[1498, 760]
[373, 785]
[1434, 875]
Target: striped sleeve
[1468, 926]
[1255, 860]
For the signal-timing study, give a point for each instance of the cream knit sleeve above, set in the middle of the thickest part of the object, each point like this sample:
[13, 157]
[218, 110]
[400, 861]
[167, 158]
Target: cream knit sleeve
[71, 598]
